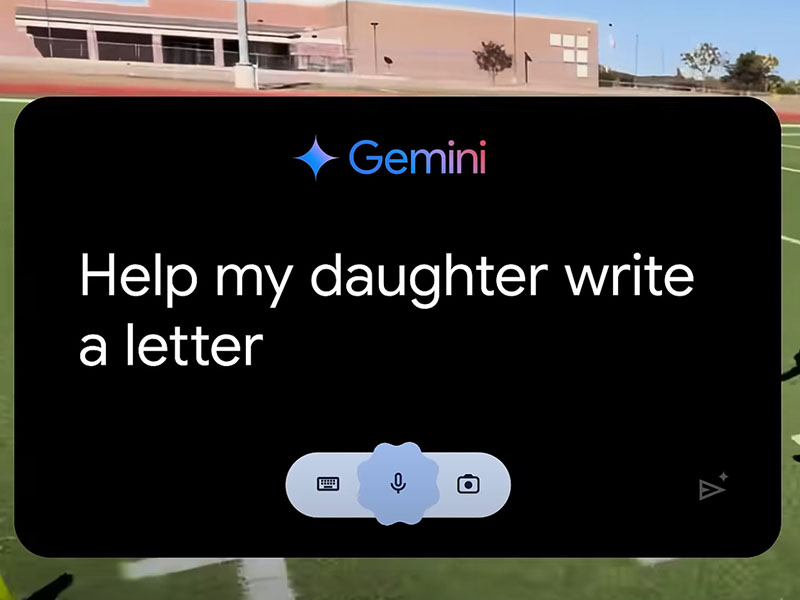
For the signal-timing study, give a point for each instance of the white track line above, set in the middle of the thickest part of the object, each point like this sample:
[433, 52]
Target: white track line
[786, 238]
[16, 100]
[263, 578]
[651, 562]
[791, 170]
[155, 567]
[790, 146]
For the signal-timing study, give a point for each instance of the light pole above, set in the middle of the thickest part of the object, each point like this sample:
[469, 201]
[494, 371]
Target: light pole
[244, 73]
[346, 28]
[375, 43]
[514, 37]
[49, 33]
[636, 60]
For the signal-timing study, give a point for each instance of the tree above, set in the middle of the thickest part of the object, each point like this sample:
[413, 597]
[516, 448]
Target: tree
[774, 82]
[492, 58]
[703, 59]
[752, 71]
[788, 87]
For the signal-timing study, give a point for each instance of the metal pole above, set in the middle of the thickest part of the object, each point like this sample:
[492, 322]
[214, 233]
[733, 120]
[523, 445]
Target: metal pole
[49, 33]
[514, 37]
[636, 59]
[346, 28]
[375, 44]
[241, 17]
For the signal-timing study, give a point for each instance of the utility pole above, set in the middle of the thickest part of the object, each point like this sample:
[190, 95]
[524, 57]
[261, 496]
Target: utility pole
[241, 18]
[514, 36]
[636, 58]
[244, 73]
[347, 29]
[49, 33]
[375, 43]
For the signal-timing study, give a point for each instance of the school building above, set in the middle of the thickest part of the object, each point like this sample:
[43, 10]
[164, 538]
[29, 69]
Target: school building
[365, 38]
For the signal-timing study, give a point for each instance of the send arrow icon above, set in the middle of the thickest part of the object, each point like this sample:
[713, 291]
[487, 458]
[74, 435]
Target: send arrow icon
[709, 489]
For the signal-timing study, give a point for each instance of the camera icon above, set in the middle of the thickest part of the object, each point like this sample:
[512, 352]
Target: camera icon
[469, 484]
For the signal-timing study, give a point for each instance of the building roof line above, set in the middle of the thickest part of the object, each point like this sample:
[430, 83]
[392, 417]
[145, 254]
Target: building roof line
[123, 18]
[473, 9]
[410, 4]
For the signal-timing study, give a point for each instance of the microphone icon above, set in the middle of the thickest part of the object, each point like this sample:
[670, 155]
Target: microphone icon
[397, 485]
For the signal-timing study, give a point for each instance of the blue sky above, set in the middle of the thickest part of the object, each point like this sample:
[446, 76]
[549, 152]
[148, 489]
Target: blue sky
[674, 26]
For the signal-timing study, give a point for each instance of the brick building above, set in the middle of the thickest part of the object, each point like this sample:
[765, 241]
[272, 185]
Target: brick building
[424, 42]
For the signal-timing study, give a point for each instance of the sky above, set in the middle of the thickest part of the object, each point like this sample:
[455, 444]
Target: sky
[668, 27]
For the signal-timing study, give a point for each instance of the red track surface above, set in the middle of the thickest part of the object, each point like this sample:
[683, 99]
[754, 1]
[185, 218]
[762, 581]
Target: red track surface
[36, 89]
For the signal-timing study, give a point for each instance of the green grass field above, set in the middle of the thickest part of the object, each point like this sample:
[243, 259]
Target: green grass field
[774, 575]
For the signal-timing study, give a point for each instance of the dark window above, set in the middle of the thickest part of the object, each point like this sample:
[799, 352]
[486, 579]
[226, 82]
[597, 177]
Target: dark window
[60, 43]
[230, 49]
[132, 47]
[188, 50]
[265, 55]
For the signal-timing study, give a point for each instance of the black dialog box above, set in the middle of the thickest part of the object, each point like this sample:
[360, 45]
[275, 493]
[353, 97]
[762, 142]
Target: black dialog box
[397, 327]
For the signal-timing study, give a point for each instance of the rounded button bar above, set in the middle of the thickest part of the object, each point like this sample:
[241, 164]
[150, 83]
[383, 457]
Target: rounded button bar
[400, 486]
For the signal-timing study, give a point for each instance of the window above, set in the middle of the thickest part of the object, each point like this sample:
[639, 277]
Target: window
[60, 43]
[569, 41]
[569, 56]
[583, 56]
[583, 70]
[265, 55]
[555, 39]
[132, 47]
[583, 41]
[188, 50]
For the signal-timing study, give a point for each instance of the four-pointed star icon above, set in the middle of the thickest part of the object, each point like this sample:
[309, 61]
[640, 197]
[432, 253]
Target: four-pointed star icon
[315, 157]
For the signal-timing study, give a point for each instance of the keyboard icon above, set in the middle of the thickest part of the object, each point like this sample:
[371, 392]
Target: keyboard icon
[327, 484]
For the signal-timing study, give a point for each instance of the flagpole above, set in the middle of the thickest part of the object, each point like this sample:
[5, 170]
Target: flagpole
[514, 36]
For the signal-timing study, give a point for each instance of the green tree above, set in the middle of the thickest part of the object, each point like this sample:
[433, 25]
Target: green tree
[703, 59]
[788, 87]
[753, 71]
[492, 58]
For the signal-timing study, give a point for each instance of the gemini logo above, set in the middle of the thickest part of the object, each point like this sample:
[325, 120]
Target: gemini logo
[315, 158]
[366, 158]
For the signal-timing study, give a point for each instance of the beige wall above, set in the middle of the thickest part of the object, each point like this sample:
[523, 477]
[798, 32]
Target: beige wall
[12, 42]
[438, 43]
